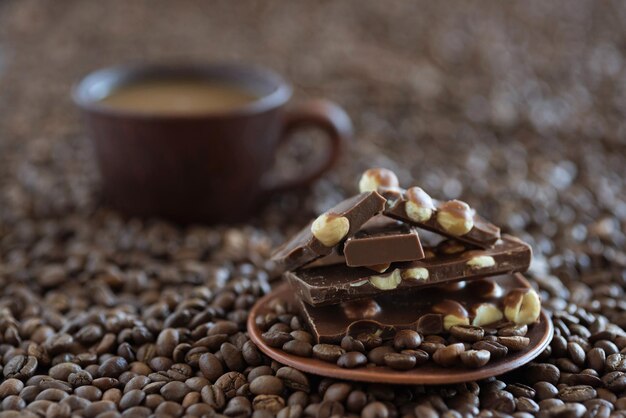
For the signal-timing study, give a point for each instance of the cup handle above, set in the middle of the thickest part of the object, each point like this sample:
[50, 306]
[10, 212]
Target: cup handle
[331, 119]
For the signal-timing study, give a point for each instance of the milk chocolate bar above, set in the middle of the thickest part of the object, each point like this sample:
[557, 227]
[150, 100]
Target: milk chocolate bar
[386, 314]
[454, 219]
[382, 241]
[450, 260]
[329, 230]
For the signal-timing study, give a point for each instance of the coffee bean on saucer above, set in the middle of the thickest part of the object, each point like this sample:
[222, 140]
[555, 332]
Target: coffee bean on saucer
[421, 356]
[399, 361]
[406, 339]
[327, 352]
[497, 350]
[370, 340]
[352, 359]
[276, 339]
[514, 343]
[298, 348]
[377, 355]
[467, 333]
[349, 343]
[448, 356]
[513, 331]
[475, 358]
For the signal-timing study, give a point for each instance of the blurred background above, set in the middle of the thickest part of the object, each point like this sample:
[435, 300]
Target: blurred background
[518, 107]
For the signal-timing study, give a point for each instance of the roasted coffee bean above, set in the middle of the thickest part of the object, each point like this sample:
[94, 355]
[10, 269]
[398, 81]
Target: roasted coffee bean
[169, 408]
[80, 378]
[20, 367]
[352, 359]
[210, 366]
[266, 385]
[230, 383]
[213, 396]
[293, 379]
[259, 371]
[174, 391]
[596, 359]
[298, 348]
[579, 393]
[499, 400]
[167, 340]
[375, 410]
[238, 406]
[426, 411]
[448, 356]
[290, 411]
[377, 355]
[406, 339]
[298, 398]
[62, 371]
[513, 331]
[576, 353]
[420, 356]
[54, 395]
[616, 362]
[329, 409]
[475, 358]
[301, 335]
[327, 352]
[467, 333]
[10, 386]
[521, 390]
[132, 398]
[399, 361]
[431, 347]
[525, 404]
[349, 343]
[276, 339]
[537, 372]
[232, 357]
[13, 403]
[496, 349]
[270, 403]
[514, 343]
[370, 339]
[614, 381]
[337, 392]
[113, 367]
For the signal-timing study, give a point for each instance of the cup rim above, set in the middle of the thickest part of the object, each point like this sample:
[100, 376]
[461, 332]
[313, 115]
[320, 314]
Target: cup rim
[115, 75]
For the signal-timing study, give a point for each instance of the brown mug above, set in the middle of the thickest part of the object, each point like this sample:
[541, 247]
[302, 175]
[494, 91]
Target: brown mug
[210, 167]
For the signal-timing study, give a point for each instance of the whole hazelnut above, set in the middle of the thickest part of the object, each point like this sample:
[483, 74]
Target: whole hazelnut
[455, 217]
[374, 178]
[330, 228]
[522, 306]
[387, 281]
[485, 314]
[419, 206]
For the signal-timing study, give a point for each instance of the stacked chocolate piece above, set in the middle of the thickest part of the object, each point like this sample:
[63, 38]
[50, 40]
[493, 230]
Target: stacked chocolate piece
[362, 268]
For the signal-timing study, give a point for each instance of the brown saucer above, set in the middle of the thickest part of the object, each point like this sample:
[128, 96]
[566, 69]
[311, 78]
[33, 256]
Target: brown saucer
[540, 335]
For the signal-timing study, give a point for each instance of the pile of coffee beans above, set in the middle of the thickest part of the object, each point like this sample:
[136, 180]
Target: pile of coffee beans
[516, 107]
[463, 346]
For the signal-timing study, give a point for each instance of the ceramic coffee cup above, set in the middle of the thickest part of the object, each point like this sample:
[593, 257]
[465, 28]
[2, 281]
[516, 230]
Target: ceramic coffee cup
[201, 167]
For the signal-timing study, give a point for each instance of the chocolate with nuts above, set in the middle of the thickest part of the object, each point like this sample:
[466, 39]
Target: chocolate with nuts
[335, 284]
[432, 310]
[454, 218]
[329, 229]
